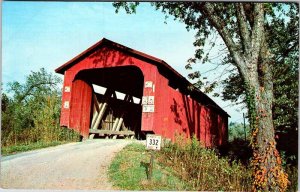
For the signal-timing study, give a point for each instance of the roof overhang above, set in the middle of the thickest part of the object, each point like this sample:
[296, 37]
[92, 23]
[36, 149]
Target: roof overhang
[171, 73]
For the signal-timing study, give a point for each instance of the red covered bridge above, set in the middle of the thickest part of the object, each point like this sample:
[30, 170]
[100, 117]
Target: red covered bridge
[113, 90]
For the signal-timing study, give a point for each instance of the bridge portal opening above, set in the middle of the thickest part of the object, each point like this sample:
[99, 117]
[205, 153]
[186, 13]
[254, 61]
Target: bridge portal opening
[116, 109]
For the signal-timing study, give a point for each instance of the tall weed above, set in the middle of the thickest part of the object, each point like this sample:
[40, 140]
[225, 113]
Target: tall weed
[44, 127]
[203, 169]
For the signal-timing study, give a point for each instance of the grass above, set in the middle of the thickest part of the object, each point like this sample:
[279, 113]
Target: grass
[183, 166]
[129, 170]
[9, 150]
[33, 138]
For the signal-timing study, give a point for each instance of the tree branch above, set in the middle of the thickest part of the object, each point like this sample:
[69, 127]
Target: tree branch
[266, 66]
[219, 25]
[244, 30]
[27, 92]
[258, 30]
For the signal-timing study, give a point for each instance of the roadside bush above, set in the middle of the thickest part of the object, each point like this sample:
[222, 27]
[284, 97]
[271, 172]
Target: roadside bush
[30, 112]
[185, 165]
[203, 169]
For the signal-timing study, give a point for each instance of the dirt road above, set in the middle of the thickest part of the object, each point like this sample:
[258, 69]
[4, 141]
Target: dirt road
[71, 166]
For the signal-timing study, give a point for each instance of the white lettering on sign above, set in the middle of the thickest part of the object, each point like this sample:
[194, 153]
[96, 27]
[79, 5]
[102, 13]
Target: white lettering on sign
[153, 88]
[67, 89]
[148, 108]
[148, 84]
[153, 142]
[66, 104]
[144, 100]
[151, 100]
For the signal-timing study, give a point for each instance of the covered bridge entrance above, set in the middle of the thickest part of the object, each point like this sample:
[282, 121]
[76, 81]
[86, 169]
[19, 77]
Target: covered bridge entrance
[112, 90]
[115, 105]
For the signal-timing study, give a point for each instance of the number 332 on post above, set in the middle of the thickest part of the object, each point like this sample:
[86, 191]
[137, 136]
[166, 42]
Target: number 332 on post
[153, 142]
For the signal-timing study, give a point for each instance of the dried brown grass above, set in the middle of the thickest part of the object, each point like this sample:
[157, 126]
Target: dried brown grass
[203, 169]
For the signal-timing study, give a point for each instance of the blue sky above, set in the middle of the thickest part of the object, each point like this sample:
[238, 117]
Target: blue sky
[48, 34]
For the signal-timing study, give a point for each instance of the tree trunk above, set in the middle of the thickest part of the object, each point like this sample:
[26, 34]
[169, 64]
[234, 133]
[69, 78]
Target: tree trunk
[268, 174]
[253, 64]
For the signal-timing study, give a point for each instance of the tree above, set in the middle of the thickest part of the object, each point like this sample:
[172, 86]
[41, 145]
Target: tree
[238, 131]
[285, 77]
[32, 105]
[243, 29]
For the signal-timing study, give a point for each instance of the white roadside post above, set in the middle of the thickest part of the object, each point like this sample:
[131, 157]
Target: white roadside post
[153, 143]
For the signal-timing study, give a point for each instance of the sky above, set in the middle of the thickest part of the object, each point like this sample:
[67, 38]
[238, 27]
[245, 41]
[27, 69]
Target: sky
[47, 34]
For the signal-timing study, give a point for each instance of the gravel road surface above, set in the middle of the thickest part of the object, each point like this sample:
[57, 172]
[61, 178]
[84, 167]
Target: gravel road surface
[80, 165]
